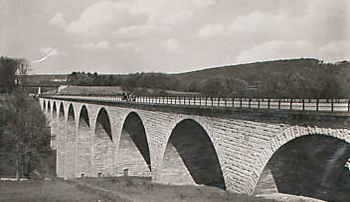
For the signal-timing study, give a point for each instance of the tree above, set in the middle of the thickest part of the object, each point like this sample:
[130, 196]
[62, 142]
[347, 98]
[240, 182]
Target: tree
[7, 74]
[24, 134]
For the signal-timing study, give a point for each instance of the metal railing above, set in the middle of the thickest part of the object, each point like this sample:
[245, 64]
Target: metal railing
[332, 105]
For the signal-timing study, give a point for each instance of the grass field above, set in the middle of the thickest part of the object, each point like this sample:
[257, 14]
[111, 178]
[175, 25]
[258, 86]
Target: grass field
[121, 190]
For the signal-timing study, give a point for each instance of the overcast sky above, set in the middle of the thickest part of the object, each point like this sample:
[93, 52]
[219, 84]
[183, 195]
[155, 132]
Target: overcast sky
[124, 36]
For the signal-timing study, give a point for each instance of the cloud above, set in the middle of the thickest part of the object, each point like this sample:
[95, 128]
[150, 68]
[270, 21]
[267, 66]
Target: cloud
[172, 45]
[99, 18]
[330, 52]
[58, 20]
[277, 50]
[335, 51]
[123, 17]
[142, 29]
[211, 30]
[99, 46]
[169, 11]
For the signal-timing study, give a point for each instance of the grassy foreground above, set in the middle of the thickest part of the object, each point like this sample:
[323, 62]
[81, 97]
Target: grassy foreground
[112, 189]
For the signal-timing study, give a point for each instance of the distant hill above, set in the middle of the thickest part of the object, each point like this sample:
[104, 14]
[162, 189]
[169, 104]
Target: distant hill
[293, 78]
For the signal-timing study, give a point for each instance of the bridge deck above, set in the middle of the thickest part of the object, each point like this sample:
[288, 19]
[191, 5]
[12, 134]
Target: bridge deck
[339, 107]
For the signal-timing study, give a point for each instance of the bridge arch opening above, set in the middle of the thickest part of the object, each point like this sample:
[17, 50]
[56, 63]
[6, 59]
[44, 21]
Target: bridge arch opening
[70, 143]
[311, 166]
[133, 151]
[84, 140]
[61, 142]
[54, 110]
[190, 157]
[49, 108]
[54, 126]
[103, 145]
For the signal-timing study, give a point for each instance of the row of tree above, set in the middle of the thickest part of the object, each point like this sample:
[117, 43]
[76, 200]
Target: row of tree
[297, 78]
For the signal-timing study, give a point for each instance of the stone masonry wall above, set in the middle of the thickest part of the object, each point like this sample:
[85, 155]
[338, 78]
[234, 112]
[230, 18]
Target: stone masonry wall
[243, 147]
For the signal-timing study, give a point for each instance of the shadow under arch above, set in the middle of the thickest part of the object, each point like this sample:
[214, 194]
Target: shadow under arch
[44, 106]
[102, 145]
[84, 139]
[190, 157]
[312, 166]
[70, 143]
[54, 110]
[133, 151]
[61, 142]
[49, 108]
[54, 126]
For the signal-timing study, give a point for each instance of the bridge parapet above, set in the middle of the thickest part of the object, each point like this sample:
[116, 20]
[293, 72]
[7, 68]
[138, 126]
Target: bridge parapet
[318, 105]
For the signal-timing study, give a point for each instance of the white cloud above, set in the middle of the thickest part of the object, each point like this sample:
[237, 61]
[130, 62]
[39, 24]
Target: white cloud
[172, 45]
[258, 21]
[58, 20]
[331, 52]
[335, 51]
[99, 18]
[211, 30]
[142, 29]
[125, 45]
[99, 46]
[128, 47]
[277, 50]
[169, 11]
[122, 17]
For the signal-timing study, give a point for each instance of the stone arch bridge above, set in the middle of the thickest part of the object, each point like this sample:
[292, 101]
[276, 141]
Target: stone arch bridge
[248, 151]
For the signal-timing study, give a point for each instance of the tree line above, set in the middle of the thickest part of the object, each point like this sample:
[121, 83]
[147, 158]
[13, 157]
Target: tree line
[296, 78]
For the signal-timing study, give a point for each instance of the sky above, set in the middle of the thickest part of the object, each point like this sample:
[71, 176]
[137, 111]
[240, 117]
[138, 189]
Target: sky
[127, 36]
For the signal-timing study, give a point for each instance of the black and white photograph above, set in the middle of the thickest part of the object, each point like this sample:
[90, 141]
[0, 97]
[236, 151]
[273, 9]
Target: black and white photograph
[175, 100]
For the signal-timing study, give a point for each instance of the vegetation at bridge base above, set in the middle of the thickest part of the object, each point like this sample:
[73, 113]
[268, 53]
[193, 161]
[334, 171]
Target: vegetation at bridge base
[24, 136]
[294, 78]
[12, 71]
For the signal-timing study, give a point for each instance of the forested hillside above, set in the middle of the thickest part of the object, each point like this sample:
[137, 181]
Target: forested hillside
[295, 78]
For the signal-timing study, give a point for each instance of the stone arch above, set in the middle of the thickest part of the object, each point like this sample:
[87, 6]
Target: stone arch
[306, 161]
[70, 143]
[84, 140]
[103, 145]
[190, 157]
[61, 141]
[133, 151]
